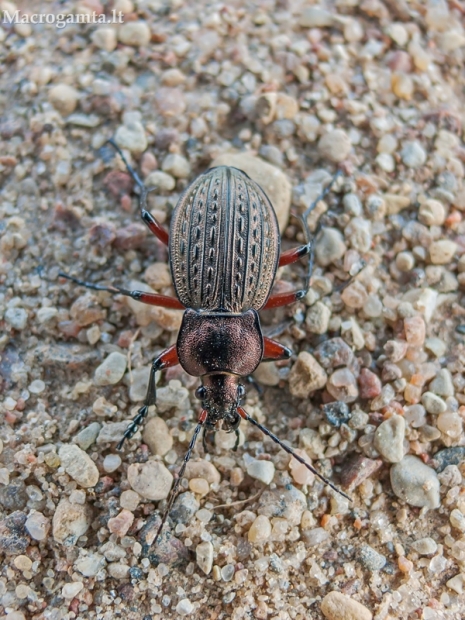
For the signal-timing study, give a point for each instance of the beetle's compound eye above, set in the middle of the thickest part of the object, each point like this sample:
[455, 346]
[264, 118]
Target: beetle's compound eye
[200, 392]
[240, 392]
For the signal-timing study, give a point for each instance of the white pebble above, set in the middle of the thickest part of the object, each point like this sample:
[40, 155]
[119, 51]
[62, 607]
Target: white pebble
[36, 387]
[184, 607]
[204, 556]
[415, 482]
[78, 465]
[71, 590]
[111, 462]
[413, 154]
[17, 318]
[261, 470]
[111, 370]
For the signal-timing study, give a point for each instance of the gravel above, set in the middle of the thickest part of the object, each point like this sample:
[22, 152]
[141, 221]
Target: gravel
[415, 482]
[290, 92]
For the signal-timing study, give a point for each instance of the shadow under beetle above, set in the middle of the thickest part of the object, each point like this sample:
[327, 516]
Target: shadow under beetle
[224, 251]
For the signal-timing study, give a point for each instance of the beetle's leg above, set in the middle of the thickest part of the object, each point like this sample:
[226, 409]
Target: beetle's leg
[207, 432]
[254, 384]
[245, 416]
[238, 437]
[274, 351]
[152, 299]
[283, 299]
[164, 360]
[174, 491]
[154, 227]
[292, 256]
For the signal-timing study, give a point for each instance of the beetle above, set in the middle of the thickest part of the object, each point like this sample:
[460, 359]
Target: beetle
[224, 250]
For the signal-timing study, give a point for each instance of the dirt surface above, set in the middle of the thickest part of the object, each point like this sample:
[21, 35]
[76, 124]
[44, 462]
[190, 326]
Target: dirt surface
[374, 89]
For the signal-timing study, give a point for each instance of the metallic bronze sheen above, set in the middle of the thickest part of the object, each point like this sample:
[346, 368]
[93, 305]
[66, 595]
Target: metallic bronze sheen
[224, 243]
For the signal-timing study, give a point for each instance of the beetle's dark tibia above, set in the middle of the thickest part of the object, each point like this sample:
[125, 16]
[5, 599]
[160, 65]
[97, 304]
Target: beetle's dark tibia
[293, 255]
[160, 232]
[134, 425]
[283, 299]
[174, 490]
[290, 451]
[152, 299]
[273, 350]
[236, 444]
[135, 177]
[164, 360]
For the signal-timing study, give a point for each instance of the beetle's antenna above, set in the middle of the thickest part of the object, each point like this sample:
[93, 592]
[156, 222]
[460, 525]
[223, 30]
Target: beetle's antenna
[290, 451]
[174, 490]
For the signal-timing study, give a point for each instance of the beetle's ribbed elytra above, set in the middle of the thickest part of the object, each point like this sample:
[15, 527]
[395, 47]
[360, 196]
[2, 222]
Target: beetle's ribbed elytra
[224, 243]
[224, 248]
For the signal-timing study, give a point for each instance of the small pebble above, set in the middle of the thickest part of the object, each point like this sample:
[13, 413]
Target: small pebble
[442, 252]
[120, 524]
[118, 570]
[342, 385]
[88, 435]
[442, 384]
[17, 318]
[371, 559]
[111, 463]
[315, 17]
[71, 590]
[131, 136]
[432, 213]
[317, 318]
[425, 546]
[413, 154]
[184, 508]
[199, 486]
[89, 565]
[37, 526]
[227, 572]
[70, 521]
[157, 436]
[386, 162]
[433, 404]
[316, 536]
[337, 606]
[415, 330]
[78, 465]
[203, 469]
[329, 246]
[111, 370]
[162, 181]
[261, 470]
[176, 165]
[64, 98]
[449, 456]
[151, 480]
[306, 376]
[129, 499]
[184, 607]
[334, 145]
[105, 39]
[22, 563]
[369, 384]
[136, 34]
[337, 413]
[260, 530]
[389, 439]
[415, 482]
[204, 556]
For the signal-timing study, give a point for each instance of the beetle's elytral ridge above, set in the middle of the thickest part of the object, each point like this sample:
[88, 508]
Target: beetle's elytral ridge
[290, 451]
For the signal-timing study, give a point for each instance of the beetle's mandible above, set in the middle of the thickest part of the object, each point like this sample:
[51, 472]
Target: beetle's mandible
[224, 251]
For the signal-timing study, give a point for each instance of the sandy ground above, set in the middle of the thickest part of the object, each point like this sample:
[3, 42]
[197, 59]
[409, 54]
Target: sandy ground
[375, 89]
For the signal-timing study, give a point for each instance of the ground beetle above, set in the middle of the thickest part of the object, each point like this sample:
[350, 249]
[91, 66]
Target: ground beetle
[224, 251]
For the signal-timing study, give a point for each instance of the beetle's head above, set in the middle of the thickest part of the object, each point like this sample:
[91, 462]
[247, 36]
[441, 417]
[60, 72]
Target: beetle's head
[221, 394]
